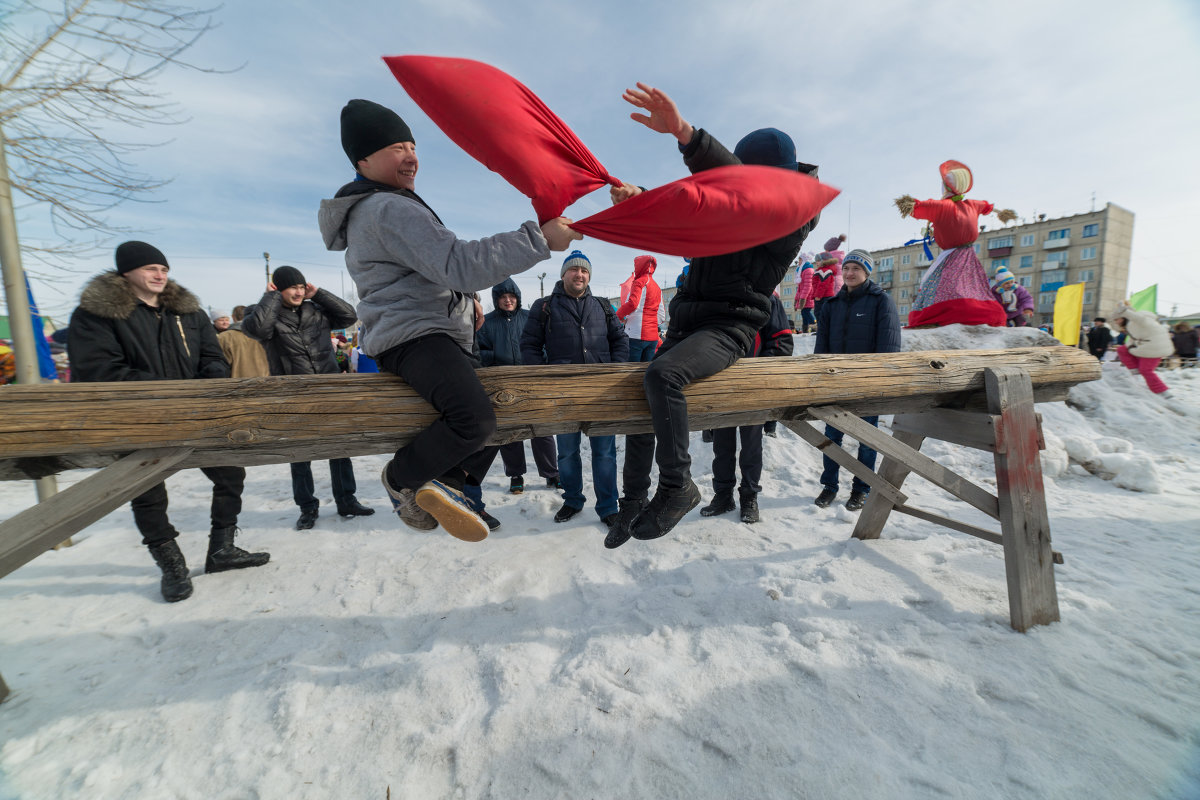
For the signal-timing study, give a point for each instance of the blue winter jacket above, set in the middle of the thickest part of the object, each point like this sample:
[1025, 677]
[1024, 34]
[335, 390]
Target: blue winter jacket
[573, 331]
[863, 321]
[499, 339]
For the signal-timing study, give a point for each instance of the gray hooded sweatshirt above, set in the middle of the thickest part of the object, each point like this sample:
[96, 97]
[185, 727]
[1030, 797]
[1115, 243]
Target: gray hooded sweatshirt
[414, 276]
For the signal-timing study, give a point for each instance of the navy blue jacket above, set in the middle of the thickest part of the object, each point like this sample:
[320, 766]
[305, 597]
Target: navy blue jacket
[574, 332]
[774, 338]
[499, 339]
[864, 321]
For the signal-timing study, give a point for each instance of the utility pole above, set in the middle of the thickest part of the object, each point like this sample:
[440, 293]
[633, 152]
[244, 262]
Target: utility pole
[267, 265]
[542, 284]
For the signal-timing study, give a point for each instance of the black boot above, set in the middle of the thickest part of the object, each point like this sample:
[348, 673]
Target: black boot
[856, 501]
[224, 555]
[825, 498]
[176, 585]
[353, 508]
[307, 519]
[722, 503]
[749, 507]
[619, 533]
[667, 507]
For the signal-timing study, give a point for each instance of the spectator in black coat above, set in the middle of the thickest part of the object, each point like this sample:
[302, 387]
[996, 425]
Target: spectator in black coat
[773, 339]
[573, 326]
[294, 321]
[135, 324]
[499, 344]
[1099, 338]
[861, 318]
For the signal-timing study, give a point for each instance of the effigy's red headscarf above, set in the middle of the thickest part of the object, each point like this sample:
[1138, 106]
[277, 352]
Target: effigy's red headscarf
[717, 211]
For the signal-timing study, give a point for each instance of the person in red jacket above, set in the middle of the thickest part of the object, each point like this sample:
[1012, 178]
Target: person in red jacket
[955, 289]
[641, 309]
[804, 292]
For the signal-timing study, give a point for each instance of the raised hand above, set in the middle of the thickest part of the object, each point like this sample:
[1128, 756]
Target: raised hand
[664, 116]
[309, 291]
[621, 193]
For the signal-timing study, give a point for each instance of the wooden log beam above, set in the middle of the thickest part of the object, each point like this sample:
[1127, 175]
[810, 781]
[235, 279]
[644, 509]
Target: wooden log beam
[251, 421]
[37, 529]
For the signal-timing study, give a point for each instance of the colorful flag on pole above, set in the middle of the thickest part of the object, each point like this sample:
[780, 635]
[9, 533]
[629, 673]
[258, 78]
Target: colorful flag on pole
[1145, 300]
[1068, 313]
[46, 366]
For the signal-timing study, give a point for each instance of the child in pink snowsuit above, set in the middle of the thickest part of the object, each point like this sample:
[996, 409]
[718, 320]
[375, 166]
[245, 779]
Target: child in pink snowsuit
[827, 271]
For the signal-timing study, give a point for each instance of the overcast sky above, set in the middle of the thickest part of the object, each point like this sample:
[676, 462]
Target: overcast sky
[1055, 106]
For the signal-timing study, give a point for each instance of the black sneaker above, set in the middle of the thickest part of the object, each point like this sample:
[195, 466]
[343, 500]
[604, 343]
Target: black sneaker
[565, 513]
[856, 501]
[353, 508]
[553, 483]
[516, 484]
[665, 511]
[491, 521]
[307, 519]
[722, 503]
[825, 498]
[749, 508]
[619, 534]
[610, 520]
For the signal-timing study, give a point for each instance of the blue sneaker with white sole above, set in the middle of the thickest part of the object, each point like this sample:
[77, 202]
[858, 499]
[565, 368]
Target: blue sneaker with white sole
[452, 510]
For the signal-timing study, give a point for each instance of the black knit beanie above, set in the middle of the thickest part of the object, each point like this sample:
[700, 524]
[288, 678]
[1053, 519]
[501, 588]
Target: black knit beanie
[367, 127]
[134, 255]
[287, 277]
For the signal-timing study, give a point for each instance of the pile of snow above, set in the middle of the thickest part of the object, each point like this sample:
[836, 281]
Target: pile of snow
[778, 660]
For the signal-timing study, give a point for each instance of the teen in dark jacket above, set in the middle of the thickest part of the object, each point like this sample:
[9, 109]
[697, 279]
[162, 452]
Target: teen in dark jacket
[720, 305]
[861, 318]
[576, 327]
[294, 321]
[135, 324]
[499, 344]
[773, 339]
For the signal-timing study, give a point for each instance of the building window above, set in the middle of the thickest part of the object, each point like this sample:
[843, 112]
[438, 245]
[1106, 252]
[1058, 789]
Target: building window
[1000, 241]
[1061, 233]
[1091, 230]
[1060, 257]
[1046, 298]
[903, 309]
[1087, 297]
[1028, 239]
[904, 294]
[1054, 276]
[1086, 275]
[905, 276]
[1087, 252]
[904, 260]
[975, 247]
[1025, 280]
[886, 263]
[788, 291]
[997, 263]
[1026, 262]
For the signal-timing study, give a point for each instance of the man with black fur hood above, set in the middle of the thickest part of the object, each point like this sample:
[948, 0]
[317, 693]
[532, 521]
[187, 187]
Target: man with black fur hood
[415, 281]
[135, 324]
[720, 305]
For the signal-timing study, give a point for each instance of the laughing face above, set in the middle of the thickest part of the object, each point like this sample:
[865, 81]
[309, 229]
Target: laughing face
[394, 165]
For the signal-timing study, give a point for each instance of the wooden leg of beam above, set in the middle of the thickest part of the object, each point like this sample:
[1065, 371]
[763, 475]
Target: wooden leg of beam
[35, 530]
[878, 508]
[1024, 522]
[818, 440]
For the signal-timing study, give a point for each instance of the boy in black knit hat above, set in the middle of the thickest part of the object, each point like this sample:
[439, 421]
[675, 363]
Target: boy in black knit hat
[415, 282]
[136, 324]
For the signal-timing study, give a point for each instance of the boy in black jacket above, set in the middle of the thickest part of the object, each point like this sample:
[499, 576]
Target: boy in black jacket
[861, 318]
[135, 324]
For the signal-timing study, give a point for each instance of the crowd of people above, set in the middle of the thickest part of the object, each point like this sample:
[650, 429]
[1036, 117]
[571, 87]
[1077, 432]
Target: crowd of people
[420, 318]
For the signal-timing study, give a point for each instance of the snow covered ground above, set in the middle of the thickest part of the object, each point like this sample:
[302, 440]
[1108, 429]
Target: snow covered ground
[777, 660]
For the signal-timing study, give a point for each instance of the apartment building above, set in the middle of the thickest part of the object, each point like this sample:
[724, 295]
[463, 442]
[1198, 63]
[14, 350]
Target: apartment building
[1044, 255]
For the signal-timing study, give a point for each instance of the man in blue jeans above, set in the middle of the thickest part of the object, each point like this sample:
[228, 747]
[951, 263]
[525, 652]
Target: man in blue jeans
[572, 326]
[861, 318]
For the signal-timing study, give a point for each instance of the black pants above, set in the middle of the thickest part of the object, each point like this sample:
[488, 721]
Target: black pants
[341, 475]
[725, 453]
[150, 507]
[545, 457]
[441, 372]
[677, 363]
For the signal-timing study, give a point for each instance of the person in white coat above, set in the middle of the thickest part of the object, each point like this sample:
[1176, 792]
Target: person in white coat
[1146, 345]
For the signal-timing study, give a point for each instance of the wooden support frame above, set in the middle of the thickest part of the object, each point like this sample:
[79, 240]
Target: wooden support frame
[1011, 431]
[37, 529]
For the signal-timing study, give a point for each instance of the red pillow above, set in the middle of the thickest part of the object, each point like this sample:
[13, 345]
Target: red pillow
[536, 152]
[717, 211]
